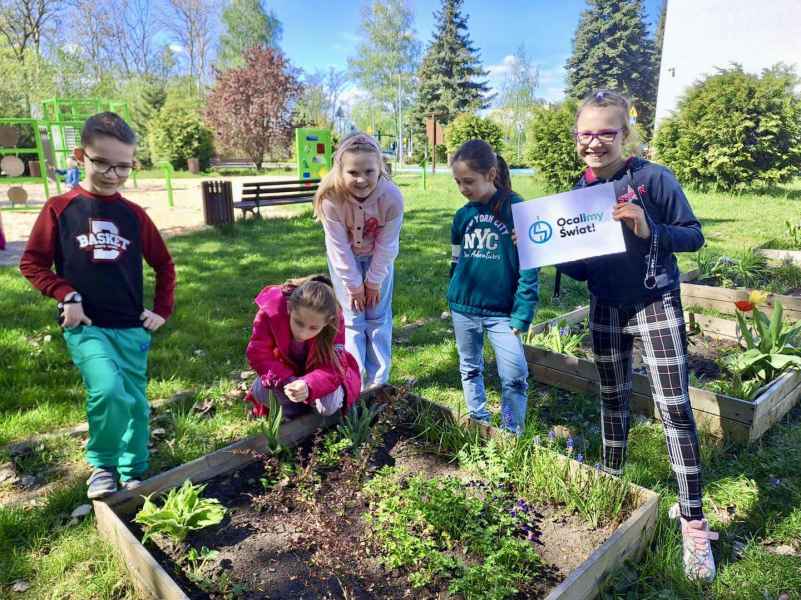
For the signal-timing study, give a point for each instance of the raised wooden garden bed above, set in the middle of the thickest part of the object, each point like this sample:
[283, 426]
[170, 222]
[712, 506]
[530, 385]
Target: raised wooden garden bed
[725, 416]
[694, 294]
[151, 579]
[777, 256]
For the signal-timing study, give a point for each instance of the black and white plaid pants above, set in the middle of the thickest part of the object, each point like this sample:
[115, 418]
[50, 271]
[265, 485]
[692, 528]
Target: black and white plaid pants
[660, 327]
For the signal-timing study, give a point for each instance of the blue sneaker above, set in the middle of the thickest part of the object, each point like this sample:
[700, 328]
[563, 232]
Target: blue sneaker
[102, 482]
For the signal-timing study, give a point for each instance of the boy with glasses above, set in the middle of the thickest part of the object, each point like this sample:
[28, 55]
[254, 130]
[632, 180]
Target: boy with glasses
[97, 240]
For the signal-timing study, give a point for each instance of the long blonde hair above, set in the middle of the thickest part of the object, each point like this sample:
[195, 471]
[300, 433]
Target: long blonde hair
[316, 293]
[333, 184]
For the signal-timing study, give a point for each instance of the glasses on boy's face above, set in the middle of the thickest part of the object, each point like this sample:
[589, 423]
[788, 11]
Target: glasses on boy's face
[605, 136]
[106, 167]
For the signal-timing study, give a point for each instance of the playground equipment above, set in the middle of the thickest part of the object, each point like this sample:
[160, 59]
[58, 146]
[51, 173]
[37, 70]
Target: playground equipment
[49, 142]
[313, 150]
[166, 166]
[11, 130]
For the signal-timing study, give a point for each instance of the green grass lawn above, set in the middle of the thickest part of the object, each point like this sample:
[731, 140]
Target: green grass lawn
[753, 494]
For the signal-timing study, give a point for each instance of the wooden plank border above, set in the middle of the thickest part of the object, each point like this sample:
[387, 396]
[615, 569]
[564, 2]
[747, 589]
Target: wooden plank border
[693, 294]
[793, 256]
[725, 416]
[151, 581]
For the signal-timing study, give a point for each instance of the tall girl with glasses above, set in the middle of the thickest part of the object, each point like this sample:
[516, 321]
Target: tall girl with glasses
[636, 294]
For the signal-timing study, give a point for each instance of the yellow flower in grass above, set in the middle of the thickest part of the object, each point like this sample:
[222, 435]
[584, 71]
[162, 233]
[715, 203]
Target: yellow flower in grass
[757, 297]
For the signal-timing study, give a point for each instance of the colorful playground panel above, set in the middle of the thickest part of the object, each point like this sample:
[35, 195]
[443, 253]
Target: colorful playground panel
[313, 150]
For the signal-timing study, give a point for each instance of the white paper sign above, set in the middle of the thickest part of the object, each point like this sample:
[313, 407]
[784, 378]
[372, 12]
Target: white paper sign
[568, 226]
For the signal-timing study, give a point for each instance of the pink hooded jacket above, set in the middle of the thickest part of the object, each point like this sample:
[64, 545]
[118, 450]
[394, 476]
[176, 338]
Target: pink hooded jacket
[363, 228]
[268, 352]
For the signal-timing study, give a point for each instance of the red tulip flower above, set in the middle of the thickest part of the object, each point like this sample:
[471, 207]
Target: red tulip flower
[744, 305]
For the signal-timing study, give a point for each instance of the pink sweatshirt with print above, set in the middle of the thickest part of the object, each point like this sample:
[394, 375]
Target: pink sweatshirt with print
[364, 228]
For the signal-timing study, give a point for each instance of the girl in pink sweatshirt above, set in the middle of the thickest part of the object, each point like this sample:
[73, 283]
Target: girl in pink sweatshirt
[362, 212]
[297, 350]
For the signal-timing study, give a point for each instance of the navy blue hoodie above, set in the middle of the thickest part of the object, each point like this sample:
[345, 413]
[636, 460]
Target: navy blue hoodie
[617, 279]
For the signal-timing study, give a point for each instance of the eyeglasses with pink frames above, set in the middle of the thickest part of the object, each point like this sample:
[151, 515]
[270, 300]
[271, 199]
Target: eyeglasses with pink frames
[605, 136]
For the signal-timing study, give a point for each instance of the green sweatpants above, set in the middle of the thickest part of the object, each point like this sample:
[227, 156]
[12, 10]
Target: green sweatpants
[113, 364]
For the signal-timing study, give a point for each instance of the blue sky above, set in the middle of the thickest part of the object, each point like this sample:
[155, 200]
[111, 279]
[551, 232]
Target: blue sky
[319, 33]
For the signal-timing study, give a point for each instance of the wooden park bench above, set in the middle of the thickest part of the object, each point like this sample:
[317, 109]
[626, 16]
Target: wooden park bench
[258, 194]
[218, 162]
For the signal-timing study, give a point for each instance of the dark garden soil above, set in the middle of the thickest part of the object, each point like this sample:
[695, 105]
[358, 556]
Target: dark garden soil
[703, 354]
[305, 539]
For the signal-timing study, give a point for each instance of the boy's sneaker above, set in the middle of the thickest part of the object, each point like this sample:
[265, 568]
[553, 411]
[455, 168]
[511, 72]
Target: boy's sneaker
[131, 484]
[699, 564]
[102, 483]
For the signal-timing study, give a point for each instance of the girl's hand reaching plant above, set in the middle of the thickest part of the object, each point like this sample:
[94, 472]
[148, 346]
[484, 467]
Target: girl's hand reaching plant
[297, 391]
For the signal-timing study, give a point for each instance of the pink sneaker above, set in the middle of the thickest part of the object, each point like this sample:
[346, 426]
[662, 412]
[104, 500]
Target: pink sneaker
[698, 560]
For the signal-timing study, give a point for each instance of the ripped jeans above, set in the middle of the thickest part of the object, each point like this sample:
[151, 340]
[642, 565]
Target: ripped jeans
[512, 367]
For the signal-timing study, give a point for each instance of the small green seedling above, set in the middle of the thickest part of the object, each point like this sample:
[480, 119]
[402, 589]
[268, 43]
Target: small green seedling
[271, 427]
[183, 511]
[332, 450]
[561, 339]
[792, 232]
[357, 423]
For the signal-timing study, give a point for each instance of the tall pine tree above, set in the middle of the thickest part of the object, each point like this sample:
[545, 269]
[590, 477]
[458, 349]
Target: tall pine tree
[148, 101]
[659, 38]
[612, 49]
[451, 79]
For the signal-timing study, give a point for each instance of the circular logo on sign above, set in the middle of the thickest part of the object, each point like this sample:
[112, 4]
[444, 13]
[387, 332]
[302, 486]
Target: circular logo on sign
[540, 232]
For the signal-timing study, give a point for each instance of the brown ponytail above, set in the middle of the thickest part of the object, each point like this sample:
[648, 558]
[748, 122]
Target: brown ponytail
[481, 158]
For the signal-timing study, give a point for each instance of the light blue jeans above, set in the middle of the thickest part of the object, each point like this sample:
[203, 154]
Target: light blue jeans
[512, 367]
[368, 334]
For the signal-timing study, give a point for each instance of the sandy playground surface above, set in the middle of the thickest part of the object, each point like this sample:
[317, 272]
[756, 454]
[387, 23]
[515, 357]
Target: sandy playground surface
[151, 194]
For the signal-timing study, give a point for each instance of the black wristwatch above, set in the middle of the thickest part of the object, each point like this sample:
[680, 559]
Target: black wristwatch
[76, 299]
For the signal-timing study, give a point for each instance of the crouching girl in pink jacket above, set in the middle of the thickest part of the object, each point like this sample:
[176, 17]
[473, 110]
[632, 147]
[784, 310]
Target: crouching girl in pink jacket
[297, 350]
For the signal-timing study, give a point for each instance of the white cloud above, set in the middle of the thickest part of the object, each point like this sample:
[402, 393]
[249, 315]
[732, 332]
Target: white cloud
[177, 48]
[503, 68]
[352, 95]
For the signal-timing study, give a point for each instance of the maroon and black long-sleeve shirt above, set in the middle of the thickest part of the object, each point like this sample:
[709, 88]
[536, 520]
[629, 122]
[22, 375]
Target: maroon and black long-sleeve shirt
[97, 244]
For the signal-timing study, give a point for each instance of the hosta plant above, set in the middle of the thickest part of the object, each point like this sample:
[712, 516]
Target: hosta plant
[183, 511]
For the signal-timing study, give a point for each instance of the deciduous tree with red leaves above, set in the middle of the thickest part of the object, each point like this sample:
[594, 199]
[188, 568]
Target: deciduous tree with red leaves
[250, 107]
